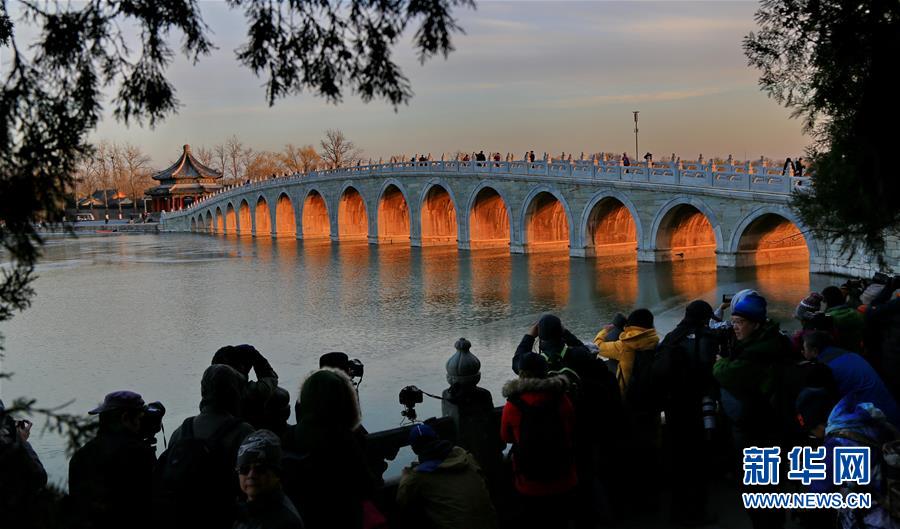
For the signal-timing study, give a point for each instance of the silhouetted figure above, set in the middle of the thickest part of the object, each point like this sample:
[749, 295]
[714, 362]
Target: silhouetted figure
[22, 476]
[255, 394]
[259, 472]
[111, 477]
[531, 156]
[788, 164]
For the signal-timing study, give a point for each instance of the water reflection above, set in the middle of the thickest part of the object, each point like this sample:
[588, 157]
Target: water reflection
[167, 302]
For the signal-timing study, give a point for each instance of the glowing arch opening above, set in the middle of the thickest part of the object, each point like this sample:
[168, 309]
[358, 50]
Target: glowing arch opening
[285, 218]
[315, 217]
[393, 216]
[438, 217]
[685, 233]
[772, 239]
[611, 229]
[546, 225]
[263, 218]
[488, 221]
[246, 220]
[230, 220]
[353, 222]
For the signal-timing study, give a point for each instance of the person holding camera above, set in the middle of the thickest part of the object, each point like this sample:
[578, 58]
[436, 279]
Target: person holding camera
[256, 393]
[849, 323]
[682, 370]
[110, 477]
[22, 476]
[194, 483]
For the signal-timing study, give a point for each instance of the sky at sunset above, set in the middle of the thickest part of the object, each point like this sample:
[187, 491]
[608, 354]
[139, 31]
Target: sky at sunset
[548, 76]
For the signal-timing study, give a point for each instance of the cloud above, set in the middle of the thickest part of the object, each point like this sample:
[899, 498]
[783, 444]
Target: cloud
[504, 25]
[682, 26]
[668, 95]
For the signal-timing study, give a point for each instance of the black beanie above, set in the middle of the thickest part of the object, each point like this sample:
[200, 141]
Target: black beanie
[640, 318]
[814, 405]
[533, 365]
[698, 312]
[550, 328]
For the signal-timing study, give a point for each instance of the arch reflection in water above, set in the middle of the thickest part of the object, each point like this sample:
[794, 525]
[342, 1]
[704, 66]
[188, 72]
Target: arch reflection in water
[546, 225]
[548, 279]
[440, 278]
[685, 233]
[615, 277]
[490, 271]
[772, 239]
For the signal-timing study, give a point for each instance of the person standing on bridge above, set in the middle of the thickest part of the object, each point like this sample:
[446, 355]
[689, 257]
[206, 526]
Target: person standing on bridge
[788, 164]
[625, 161]
[531, 156]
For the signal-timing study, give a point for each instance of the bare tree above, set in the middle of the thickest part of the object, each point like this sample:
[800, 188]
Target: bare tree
[220, 158]
[337, 150]
[237, 157]
[134, 164]
[300, 159]
[204, 154]
[264, 164]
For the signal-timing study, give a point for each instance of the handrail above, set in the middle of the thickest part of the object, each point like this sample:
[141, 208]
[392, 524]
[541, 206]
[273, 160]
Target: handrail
[687, 174]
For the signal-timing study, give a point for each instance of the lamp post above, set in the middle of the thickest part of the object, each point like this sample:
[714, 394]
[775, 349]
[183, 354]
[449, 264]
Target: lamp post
[636, 112]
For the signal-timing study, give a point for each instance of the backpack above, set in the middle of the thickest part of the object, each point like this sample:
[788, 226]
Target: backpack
[640, 393]
[885, 456]
[543, 451]
[195, 478]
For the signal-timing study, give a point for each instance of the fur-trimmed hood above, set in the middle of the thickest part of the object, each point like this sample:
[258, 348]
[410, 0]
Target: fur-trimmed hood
[551, 384]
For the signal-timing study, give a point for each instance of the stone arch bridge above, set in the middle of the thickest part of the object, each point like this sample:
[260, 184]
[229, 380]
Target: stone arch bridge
[739, 214]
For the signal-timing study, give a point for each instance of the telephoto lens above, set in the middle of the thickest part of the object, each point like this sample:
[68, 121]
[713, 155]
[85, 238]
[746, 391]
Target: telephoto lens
[708, 408]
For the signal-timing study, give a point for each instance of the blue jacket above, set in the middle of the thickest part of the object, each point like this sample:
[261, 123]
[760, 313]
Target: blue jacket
[854, 375]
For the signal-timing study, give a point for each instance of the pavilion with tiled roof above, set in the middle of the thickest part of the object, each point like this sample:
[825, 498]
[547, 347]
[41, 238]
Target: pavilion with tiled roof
[183, 183]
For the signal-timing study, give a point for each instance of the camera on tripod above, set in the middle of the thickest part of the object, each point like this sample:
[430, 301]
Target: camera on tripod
[409, 397]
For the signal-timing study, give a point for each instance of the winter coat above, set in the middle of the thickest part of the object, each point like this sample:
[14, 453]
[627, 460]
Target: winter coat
[450, 492]
[883, 338]
[748, 382]
[535, 391]
[864, 421]
[854, 375]
[256, 392]
[110, 479]
[849, 326]
[683, 368]
[22, 478]
[273, 511]
[324, 468]
[632, 340]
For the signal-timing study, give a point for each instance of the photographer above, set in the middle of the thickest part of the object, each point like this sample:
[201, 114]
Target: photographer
[256, 393]
[110, 477]
[22, 476]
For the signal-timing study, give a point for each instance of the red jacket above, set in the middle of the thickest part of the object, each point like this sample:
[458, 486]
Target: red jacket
[535, 391]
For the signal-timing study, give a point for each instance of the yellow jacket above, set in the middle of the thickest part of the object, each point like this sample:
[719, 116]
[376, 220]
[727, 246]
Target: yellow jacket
[631, 340]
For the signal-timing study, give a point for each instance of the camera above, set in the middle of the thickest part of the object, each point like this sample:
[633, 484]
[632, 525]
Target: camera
[726, 298]
[881, 278]
[355, 368]
[409, 397]
[151, 421]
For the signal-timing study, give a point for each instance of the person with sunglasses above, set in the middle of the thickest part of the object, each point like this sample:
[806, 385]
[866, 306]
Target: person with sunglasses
[259, 473]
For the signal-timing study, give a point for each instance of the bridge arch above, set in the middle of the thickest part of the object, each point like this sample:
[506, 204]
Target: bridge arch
[285, 216]
[610, 225]
[314, 221]
[393, 213]
[245, 218]
[230, 219]
[438, 214]
[685, 228]
[546, 220]
[193, 224]
[489, 217]
[352, 214]
[220, 221]
[262, 218]
[210, 227]
[771, 234]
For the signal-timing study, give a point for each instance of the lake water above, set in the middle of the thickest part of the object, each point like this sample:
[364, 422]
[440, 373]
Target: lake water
[146, 313]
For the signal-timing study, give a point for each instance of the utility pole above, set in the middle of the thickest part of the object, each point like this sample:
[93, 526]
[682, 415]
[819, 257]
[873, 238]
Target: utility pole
[636, 112]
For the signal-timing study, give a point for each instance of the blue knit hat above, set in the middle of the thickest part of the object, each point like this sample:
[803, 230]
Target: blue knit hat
[752, 307]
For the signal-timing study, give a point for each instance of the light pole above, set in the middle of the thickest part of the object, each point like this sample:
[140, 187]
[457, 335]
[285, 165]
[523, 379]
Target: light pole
[636, 112]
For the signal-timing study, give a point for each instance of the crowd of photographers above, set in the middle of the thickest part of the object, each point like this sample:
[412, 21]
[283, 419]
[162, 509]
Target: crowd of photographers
[600, 430]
